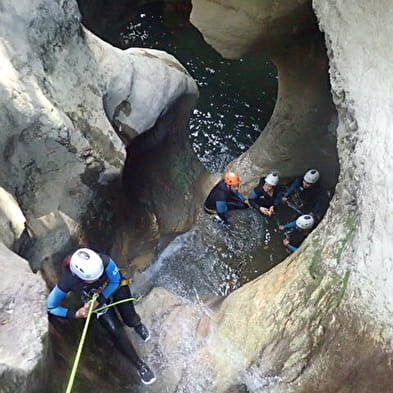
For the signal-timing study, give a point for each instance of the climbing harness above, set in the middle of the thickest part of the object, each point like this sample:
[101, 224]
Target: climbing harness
[126, 280]
[81, 343]
[209, 211]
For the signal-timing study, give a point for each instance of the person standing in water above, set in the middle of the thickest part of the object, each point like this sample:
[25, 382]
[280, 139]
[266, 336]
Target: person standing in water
[225, 196]
[309, 192]
[298, 231]
[265, 196]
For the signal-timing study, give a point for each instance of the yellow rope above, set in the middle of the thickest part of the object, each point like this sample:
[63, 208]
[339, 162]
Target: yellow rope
[118, 302]
[84, 333]
[81, 342]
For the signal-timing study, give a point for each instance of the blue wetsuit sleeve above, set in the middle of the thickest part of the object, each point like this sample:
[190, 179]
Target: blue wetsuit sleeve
[290, 225]
[253, 195]
[241, 196]
[292, 248]
[252, 200]
[55, 299]
[114, 277]
[277, 199]
[293, 187]
[222, 209]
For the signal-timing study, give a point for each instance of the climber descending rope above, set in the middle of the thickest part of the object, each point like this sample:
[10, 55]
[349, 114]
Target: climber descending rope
[91, 273]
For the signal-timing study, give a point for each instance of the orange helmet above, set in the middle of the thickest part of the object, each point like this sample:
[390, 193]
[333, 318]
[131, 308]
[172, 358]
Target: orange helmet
[232, 179]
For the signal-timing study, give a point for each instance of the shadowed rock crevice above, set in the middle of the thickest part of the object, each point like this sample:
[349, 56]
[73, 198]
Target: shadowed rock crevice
[161, 170]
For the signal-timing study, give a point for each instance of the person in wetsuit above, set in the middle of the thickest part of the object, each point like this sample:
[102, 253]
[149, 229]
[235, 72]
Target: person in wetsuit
[225, 196]
[309, 191]
[265, 196]
[87, 272]
[298, 231]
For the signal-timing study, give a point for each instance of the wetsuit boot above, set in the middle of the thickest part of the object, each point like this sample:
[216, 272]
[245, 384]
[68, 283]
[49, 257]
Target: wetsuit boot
[147, 376]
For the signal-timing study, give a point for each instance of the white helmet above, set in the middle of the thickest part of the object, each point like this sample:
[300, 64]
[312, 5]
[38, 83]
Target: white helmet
[86, 264]
[272, 179]
[305, 222]
[311, 176]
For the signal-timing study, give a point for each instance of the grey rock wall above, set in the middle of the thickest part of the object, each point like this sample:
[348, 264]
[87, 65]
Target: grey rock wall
[24, 349]
[245, 26]
[64, 95]
[321, 321]
[360, 53]
[301, 131]
[12, 220]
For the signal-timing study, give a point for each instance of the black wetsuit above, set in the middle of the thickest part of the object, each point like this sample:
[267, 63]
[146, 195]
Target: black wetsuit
[260, 198]
[221, 199]
[311, 198]
[295, 235]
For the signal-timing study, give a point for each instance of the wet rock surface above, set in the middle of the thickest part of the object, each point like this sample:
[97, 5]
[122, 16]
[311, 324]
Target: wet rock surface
[64, 98]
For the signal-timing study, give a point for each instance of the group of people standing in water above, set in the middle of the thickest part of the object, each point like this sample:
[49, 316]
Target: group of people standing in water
[304, 195]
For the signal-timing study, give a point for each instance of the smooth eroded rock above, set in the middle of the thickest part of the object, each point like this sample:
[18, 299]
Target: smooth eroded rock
[23, 326]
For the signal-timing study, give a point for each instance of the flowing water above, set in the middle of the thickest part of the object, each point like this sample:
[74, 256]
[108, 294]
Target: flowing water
[236, 101]
[212, 259]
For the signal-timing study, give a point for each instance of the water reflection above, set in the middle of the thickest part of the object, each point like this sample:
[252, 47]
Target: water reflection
[237, 97]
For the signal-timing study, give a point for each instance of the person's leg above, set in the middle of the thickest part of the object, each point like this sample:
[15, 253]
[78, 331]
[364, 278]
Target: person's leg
[126, 310]
[128, 313]
[112, 324]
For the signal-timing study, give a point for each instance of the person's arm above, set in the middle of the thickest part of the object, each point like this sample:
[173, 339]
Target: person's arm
[55, 300]
[114, 278]
[263, 210]
[251, 200]
[288, 245]
[290, 225]
[293, 187]
[291, 247]
[239, 202]
[254, 195]
[240, 196]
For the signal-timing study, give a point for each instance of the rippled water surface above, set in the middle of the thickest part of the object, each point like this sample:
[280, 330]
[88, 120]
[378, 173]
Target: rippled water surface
[237, 97]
